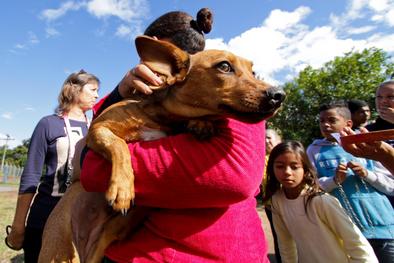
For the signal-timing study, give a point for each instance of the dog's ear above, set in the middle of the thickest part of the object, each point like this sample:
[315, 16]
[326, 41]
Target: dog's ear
[163, 58]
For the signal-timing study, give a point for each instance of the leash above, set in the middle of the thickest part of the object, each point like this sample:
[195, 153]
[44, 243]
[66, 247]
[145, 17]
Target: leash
[71, 149]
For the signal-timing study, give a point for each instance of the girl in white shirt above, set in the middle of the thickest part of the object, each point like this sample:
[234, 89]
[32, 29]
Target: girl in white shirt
[311, 225]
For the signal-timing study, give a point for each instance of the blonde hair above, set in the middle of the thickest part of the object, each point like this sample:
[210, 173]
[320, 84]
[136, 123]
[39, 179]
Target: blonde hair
[71, 89]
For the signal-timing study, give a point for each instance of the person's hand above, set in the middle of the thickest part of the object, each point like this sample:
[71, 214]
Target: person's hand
[340, 173]
[387, 114]
[15, 237]
[372, 150]
[358, 169]
[138, 79]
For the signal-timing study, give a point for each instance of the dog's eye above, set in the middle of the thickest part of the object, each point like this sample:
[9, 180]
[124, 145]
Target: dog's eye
[225, 67]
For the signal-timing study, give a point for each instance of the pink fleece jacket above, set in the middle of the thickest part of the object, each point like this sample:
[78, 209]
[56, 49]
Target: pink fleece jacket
[202, 195]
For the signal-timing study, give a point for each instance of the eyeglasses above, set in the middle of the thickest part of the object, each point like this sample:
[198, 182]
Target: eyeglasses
[389, 98]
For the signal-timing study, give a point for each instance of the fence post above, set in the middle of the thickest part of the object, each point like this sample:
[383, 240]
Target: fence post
[5, 173]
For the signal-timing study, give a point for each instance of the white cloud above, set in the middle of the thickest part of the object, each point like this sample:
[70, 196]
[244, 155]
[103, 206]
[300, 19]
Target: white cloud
[379, 5]
[280, 20]
[130, 31]
[20, 46]
[54, 14]
[287, 48]
[360, 30]
[378, 11]
[28, 108]
[129, 11]
[125, 10]
[7, 115]
[51, 32]
[123, 31]
[383, 41]
[389, 18]
[33, 39]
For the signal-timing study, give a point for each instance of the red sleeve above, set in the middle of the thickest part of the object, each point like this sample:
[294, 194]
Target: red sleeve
[182, 172]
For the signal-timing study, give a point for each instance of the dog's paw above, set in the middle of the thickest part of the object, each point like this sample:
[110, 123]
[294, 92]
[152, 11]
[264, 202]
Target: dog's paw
[202, 129]
[120, 195]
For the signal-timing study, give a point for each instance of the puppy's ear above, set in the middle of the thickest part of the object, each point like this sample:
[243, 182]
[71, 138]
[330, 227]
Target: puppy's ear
[163, 58]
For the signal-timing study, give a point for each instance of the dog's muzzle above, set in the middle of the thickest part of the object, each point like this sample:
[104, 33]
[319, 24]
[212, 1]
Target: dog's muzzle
[274, 98]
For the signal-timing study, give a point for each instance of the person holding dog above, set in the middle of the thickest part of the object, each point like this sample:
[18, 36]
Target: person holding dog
[203, 209]
[51, 149]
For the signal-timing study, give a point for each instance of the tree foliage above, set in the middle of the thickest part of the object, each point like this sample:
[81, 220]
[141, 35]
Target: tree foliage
[16, 156]
[353, 76]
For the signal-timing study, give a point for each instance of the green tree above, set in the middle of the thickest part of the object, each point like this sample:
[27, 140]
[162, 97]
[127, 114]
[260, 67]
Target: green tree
[18, 155]
[355, 75]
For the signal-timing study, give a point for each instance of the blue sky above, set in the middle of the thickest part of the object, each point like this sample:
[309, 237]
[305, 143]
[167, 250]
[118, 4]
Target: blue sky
[44, 41]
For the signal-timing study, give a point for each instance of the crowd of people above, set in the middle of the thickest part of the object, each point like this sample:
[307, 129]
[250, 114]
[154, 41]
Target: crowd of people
[326, 203]
[337, 196]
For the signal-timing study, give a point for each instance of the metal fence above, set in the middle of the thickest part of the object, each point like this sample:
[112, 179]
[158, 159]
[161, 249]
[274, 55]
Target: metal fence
[10, 173]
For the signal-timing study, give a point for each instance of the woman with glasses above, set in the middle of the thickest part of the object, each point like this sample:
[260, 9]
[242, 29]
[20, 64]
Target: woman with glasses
[48, 169]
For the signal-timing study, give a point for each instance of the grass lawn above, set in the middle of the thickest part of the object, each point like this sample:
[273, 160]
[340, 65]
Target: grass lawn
[7, 208]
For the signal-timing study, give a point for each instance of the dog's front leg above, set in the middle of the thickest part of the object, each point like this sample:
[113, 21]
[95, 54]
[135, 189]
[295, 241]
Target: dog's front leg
[120, 190]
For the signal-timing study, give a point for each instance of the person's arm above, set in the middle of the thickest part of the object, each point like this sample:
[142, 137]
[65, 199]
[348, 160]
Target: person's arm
[287, 246]
[326, 183]
[378, 151]
[380, 178]
[182, 172]
[16, 236]
[29, 181]
[386, 156]
[333, 215]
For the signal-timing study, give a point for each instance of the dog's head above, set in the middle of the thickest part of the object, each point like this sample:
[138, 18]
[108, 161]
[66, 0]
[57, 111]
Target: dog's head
[211, 82]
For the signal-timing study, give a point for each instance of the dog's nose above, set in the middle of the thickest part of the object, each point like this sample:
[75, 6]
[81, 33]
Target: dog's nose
[275, 96]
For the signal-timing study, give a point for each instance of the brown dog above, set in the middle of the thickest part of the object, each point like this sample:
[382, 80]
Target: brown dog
[209, 84]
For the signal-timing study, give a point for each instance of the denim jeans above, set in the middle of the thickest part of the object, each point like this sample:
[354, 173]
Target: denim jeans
[384, 249]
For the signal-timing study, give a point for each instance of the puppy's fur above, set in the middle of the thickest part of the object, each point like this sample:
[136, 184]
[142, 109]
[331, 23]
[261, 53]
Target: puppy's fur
[210, 84]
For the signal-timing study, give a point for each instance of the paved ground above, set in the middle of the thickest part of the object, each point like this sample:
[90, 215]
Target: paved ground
[8, 188]
[268, 234]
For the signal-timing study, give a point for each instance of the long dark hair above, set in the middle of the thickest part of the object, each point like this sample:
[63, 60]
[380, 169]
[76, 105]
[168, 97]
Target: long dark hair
[182, 30]
[310, 179]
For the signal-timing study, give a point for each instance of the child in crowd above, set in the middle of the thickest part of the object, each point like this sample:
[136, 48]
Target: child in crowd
[311, 225]
[361, 113]
[358, 183]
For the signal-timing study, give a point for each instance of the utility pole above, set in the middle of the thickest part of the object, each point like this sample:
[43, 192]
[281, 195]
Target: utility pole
[8, 138]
